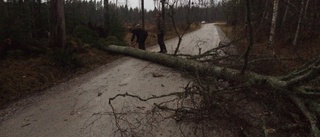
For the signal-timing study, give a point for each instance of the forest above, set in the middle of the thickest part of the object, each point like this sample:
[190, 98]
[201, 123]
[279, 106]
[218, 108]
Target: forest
[26, 35]
[266, 83]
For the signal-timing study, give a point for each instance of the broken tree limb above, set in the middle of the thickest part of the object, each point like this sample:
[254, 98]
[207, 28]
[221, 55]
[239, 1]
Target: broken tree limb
[293, 86]
[312, 119]
[202, 68]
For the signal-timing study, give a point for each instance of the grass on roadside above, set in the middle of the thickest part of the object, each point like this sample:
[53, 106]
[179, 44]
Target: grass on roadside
[22, 75]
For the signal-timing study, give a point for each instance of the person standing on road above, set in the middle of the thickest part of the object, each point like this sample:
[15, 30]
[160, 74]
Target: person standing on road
[160, 32]
[141, 35]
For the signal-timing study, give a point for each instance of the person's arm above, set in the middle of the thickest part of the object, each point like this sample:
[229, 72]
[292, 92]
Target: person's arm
[133, 35]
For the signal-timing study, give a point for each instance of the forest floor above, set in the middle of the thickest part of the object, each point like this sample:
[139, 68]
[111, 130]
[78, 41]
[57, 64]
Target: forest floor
[283, 50]
[280, 117]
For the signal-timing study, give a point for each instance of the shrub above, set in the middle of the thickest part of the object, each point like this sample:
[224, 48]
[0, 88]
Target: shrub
[112, 40]
[15, 54]
[85, 34]
[64, 58]
[100, 43]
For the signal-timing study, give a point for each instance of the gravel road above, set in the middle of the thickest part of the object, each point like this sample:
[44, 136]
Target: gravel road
[79, 107]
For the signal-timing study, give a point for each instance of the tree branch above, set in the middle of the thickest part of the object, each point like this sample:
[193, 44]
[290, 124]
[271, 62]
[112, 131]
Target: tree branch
[312, 119]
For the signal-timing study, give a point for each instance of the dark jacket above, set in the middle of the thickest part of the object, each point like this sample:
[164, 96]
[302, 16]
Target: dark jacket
[140, 33]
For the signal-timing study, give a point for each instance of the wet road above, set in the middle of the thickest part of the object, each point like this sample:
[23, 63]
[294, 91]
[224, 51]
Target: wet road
[80, 106]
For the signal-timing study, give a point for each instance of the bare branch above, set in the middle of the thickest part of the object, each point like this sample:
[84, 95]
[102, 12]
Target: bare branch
[312, 119]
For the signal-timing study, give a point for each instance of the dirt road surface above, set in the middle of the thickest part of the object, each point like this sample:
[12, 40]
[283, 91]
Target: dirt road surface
[80, 106]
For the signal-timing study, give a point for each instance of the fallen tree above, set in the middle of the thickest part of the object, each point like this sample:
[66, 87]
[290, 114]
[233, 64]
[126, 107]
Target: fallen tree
[296, 85]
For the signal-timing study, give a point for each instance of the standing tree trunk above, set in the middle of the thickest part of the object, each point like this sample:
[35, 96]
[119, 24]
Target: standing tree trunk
[37, 17]
[3, 9]
[142, 13]
[58, 29]
[306, 8]
[264, 11]
[315, 20]
[189, 12]
[249, 36]
[163, 9]
[273, 22]
[299, 23]
[3, 17]
[106, 16]
[285, 16]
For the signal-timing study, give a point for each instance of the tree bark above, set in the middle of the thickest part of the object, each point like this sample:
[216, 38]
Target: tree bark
[37, 17]
[299, 23]
[306, 9]
[249, 36]
[285, 16]
[142, 13]
[283, 83]
[106, 15]
[273, 22]
[163, 9]
[3, 8]
[264, 12]
[291, 85]
[58, 29]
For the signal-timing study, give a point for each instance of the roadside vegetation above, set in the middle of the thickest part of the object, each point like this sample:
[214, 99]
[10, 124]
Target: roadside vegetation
[262, 81]
[29, 64]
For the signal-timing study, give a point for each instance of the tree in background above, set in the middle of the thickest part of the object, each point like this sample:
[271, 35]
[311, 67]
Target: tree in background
[106, 15]
[142, 13]
[28, 24]
[58, 28]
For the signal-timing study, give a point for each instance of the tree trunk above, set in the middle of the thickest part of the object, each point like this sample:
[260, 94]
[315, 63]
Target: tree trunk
[273, 22]
[37, 17]
[163, 9]
[264, 12]
[106, 15]
[293, 84]
[58, 30]
[142, 13]
[306, 8]
[3, 17]
[188, 12]
[3, 9]
[249, 36]
[299, 23]
[285, 16]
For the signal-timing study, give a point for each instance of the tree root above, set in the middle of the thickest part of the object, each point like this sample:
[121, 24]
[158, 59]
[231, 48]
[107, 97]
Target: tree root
[311, 118]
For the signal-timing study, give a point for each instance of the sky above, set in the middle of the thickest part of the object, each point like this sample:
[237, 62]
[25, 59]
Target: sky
[148, 4]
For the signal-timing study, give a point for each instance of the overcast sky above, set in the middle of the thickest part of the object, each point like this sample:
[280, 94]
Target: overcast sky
[148, 4]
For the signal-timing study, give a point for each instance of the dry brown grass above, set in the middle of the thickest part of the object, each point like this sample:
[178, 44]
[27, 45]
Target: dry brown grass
[290, 57]
[24, 76]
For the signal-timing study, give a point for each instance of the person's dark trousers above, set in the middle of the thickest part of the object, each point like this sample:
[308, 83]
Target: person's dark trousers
[161, 42]
[142, 41]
